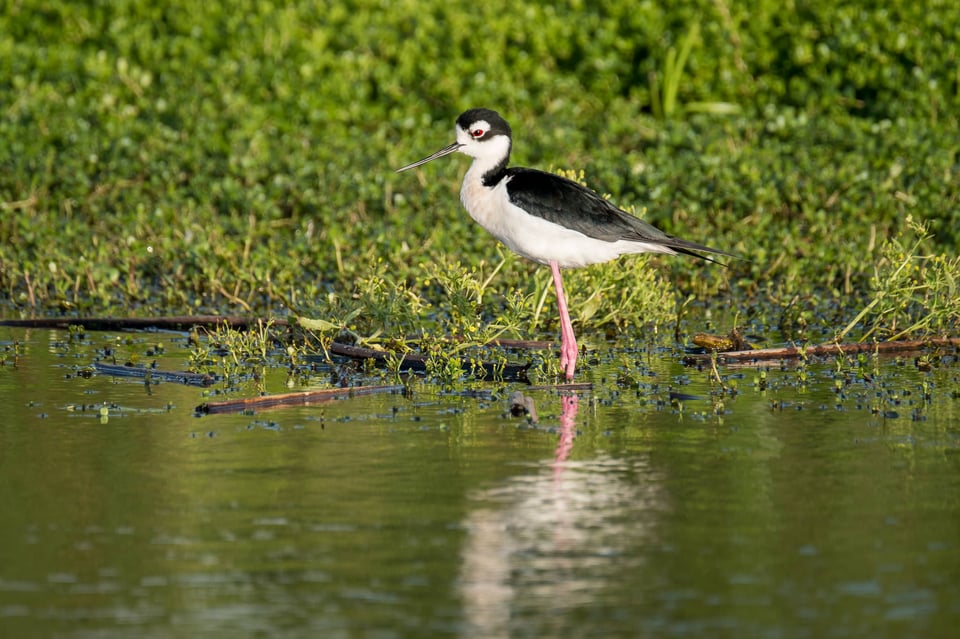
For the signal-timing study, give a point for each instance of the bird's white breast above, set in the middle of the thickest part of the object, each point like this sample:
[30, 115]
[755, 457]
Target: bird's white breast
[534, 237]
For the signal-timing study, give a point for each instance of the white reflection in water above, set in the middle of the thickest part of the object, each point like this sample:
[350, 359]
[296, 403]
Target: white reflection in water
[552, 539]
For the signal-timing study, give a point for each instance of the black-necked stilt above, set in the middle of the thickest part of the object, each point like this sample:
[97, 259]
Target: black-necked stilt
[544, 217]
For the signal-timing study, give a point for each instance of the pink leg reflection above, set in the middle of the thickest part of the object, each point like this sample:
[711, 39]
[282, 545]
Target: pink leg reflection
[568, 413]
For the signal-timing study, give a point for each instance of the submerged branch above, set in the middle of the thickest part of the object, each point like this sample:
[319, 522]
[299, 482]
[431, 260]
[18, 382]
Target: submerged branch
[829, 350]
[171, 323]
[293, 399]
[178, 377]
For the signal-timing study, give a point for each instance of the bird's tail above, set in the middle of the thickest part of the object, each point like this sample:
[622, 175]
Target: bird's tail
[686, 247]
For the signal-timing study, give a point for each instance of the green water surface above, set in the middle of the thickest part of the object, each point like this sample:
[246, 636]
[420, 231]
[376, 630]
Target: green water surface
[794, 511]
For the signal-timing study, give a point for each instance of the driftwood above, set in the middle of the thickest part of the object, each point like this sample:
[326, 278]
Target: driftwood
[831, 350]
[186, 322]
[172, 323]
[292, 399]
[178, 377]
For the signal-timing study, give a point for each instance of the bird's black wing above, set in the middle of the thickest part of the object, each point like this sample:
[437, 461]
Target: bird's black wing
[567, 203]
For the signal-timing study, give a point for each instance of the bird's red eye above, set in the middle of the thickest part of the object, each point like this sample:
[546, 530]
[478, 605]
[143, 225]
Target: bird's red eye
[477, 133]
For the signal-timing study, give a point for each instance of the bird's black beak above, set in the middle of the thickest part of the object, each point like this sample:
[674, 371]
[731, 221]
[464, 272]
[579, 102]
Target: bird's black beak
[447, 150]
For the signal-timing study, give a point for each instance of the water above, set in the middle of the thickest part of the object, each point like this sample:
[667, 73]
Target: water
[789, 512]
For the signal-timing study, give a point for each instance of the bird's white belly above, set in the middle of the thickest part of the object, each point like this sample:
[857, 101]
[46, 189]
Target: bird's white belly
[536, 238]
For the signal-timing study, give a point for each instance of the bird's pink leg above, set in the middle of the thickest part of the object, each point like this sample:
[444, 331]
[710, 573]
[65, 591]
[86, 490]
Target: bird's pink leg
[568, 342]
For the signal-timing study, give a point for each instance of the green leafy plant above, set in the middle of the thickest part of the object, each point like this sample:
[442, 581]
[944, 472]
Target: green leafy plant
[913, 293]
[158, 160]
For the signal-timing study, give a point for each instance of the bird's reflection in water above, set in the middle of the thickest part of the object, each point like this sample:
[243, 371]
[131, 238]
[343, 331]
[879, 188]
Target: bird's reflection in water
[569, 404]
[551, 539]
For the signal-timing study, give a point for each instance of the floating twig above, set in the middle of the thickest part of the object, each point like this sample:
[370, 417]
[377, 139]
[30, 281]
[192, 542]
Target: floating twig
[170, 323]
[292, 399]
[179, 377]
[830, 350]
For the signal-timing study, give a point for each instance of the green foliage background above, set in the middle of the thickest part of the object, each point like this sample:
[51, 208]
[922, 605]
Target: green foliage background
[176, 156]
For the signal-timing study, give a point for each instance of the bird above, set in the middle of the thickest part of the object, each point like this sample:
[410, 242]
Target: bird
[545, 217]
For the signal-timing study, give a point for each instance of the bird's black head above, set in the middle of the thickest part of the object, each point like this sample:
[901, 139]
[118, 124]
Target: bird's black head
[494, 124]
[483, 135]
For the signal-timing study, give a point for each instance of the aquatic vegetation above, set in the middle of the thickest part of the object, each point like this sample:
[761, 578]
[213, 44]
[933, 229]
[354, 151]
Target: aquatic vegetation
[159, 160]
[913, 292]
